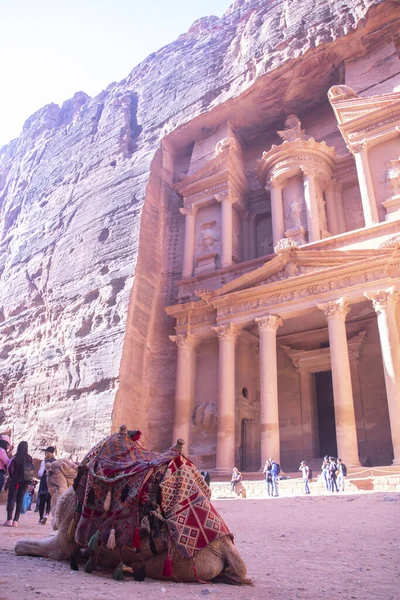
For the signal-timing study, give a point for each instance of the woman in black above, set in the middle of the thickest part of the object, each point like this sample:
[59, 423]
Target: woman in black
[18, 470]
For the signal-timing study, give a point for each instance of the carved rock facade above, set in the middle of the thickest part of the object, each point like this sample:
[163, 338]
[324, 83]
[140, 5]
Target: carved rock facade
[259, 184]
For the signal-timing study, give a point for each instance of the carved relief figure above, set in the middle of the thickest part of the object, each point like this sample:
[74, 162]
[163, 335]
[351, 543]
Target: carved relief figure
[294, 213]
[205, 417]
[392, 177]
[293, 130]
[208, 237]
[265, 247]
[321, 213]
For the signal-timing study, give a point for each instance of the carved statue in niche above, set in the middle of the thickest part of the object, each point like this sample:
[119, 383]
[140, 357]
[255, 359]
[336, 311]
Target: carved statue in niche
[294, 213]
[205, 417]
[208, 237]
[392, 176]
[321, 213]
[265, 247]
[293, 130]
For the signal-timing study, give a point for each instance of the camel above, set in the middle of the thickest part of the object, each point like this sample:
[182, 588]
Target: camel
[219, 561]
[60, 476]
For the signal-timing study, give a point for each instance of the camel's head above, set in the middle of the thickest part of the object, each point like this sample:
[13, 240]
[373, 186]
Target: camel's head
[60, 475]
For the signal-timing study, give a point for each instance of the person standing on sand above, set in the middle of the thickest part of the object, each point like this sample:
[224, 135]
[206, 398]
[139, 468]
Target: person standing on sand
[268, 476]
[4, 459]
[306, 475]
[332, 475]
[43, 493]
[342, 474]
[275, 470]
[325, 474]
[20, 471]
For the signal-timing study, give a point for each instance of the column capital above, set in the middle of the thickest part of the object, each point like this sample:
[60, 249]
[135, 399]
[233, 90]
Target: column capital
[335, 309]
[223, 197]
[226, 332]
[309, 171]
[183, 340]
[358, 147]
[188, 210]
[271, 322]
[276, 184]
[382, 298]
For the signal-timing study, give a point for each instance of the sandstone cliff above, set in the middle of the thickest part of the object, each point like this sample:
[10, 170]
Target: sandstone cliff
[87, 258]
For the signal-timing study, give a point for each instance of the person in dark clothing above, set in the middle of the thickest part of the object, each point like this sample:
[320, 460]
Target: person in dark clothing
[18, 470]
[4, 458]
[43, 493]
[206, 476]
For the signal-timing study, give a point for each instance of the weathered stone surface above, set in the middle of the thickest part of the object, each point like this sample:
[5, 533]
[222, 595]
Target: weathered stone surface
[82, 325]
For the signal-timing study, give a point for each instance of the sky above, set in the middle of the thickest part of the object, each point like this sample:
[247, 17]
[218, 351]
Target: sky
[51, 49]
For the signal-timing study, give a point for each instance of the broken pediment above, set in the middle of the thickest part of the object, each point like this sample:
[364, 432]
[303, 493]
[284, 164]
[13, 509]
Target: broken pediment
[222, 173]
[360, 117]
[294, 263]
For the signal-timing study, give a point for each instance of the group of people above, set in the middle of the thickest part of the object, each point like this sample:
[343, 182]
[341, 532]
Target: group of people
[271, 473]
[17, 476]
[334, 473]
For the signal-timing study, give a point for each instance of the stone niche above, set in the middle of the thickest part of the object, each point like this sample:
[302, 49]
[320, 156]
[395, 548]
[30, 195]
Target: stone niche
[299, 175]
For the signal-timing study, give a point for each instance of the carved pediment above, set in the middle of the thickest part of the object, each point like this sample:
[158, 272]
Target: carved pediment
[293, 264]
[359, 116]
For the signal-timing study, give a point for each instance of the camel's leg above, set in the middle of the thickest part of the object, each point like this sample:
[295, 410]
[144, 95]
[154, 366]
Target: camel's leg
[58, 547]
[235, 571]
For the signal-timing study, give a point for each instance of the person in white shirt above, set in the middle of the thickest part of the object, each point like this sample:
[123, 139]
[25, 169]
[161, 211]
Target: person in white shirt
[305, 471]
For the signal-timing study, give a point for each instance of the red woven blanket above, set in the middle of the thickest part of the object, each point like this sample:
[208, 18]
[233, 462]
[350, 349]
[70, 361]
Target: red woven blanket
[119, 467]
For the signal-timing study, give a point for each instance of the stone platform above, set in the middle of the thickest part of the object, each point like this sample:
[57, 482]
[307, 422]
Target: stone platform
[361, 479]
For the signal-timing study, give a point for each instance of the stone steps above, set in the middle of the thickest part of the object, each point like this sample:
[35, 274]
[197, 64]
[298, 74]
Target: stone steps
[295, 487]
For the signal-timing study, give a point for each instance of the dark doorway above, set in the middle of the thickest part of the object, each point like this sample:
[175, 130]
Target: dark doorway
[244, 434]
[325, 414]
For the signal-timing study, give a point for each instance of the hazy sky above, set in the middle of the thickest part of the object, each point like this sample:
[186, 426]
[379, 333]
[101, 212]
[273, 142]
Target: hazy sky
[51, 49]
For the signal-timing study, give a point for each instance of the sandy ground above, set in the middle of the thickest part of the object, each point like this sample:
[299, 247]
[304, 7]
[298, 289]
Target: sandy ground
[345, 547]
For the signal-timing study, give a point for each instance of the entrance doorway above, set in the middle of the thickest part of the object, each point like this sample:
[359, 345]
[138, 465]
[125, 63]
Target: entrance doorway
[244, 444]
[325, 414]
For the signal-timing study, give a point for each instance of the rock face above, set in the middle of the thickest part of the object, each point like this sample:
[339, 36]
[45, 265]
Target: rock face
[91, 235]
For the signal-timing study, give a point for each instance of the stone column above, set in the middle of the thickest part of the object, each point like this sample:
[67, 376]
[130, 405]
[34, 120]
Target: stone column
[346, 431]
[185, 370]
[370, 209]
[331, 213]
[226, 229]
[385, 306]
[225, 460]
[278, 221]
[188, 252]
[339, 208]
[269, 410]
[310, 199]
[306, 413]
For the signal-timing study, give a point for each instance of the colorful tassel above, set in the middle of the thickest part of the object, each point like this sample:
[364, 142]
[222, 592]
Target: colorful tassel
[118, 573]
[89, 566]
[167, 571]
[71, 530]
[111, 540]
[140, 574]
[91, 497]
[136, 539]
[107, 502]
[94, 542]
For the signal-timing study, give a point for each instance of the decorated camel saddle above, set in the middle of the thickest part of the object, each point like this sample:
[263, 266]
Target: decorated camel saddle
[141, 513]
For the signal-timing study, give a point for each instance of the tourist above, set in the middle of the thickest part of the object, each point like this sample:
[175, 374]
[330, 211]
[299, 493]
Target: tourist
[206, 476]
[304, 468]
[342, 474]
[43, 493]
[268, 476]
[236, 478]
[325, 474]
[20, 471]
[275, 470]
[4, 458]
[332, 468]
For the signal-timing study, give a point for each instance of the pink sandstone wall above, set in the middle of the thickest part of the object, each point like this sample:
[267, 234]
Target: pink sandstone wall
[91, 235]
